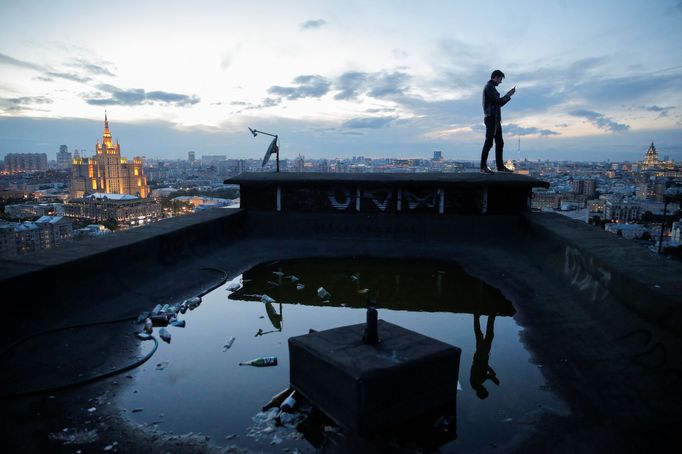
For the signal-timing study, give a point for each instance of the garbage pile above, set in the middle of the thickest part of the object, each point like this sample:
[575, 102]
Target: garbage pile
[165, 315]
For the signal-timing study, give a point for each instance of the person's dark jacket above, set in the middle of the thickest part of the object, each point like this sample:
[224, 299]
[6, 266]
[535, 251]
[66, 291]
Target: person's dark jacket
[492, 101]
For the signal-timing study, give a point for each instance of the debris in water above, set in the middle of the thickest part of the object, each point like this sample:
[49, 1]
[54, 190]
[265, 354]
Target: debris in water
[293, 278]
[229, 343]
[156, 310]
[193, 302]
[143, 336]
[233, 287]
[300, 286]
[263, 361]
[278, 273]
[92, 409]
[162, 365]
[459, 386]
[148, 326]
[272, 284]
[137, 410]
[178, 323]
[142, 317]
[355, 277]
[323, 293]
[363, 291]
[165, 335]
[267, 299]
[75, 437]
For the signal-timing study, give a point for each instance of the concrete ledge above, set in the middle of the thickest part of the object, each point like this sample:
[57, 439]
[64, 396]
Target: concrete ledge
[599, 263]
[383, 226]
[67, 273]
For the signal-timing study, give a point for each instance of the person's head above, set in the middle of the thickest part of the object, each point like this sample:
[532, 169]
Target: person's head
[497, 76]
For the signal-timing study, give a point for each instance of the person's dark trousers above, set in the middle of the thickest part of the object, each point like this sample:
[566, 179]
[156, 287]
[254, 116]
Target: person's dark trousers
[493, 131]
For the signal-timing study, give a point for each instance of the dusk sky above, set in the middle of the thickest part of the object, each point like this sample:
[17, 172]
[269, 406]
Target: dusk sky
[595, 80]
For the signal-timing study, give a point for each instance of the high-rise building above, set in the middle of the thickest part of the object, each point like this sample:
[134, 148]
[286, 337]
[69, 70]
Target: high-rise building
[63, 158]
[437, 155]
[108, 172]
[25, 162]
[190, 157]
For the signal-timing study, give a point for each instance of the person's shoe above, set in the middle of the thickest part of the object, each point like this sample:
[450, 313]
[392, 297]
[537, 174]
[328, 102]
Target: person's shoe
[504, 169]
[486, 170]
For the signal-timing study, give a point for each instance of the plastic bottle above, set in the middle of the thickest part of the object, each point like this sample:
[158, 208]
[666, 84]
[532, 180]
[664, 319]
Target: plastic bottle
[286, 407]
[288, 404]
[263, 361]
[277, 399]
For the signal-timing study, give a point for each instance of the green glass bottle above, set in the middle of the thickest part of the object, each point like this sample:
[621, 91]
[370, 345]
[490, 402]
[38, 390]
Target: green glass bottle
[263, 361]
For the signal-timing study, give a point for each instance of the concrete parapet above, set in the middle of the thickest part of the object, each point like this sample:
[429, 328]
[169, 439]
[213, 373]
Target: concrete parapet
[600, 264]
[106, 264]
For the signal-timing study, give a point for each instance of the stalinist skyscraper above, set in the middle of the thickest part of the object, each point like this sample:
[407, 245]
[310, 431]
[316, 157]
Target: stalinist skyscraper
[107, 172]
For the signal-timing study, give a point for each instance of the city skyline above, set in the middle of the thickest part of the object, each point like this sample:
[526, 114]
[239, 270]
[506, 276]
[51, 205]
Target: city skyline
[405, 81]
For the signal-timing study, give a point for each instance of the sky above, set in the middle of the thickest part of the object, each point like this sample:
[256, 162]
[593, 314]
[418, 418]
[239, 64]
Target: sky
[595, 80]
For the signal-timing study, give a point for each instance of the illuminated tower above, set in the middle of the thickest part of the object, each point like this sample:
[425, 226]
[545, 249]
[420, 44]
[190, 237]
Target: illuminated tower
[650, 158]
[107, 171]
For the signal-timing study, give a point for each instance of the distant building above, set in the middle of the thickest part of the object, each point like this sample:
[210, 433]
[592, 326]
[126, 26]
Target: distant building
[107, 172]
[203, 202]
[123, 208]
[651, 161]
[33, 210]
[584, 187]
[437, 155]
[208, 160]
[190, 157]
[64, 158]
[18, 238]
[623, 211]
[25, 162]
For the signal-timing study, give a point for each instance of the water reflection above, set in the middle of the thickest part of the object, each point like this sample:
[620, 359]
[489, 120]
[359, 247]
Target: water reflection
[480, 369]
[219, 398]
[422, 287]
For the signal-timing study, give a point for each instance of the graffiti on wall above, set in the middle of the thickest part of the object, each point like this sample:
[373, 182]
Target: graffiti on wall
[586, 275]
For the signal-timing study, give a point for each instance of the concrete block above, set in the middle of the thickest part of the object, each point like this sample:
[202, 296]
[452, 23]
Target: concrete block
[369, 388]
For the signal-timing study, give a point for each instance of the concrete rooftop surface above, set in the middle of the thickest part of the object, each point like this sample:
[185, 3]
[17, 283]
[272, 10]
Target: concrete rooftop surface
[603, 316]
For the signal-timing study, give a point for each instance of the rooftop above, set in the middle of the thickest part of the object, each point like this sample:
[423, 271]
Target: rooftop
[601, 317]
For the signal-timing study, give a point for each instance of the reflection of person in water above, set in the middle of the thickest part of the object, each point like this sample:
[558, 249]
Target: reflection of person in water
[480, 370]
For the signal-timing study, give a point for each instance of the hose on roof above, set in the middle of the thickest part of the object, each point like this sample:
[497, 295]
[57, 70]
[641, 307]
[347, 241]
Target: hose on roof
[97, 377]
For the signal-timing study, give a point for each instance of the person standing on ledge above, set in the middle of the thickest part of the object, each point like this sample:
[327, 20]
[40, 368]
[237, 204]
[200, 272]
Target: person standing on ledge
[492, 111]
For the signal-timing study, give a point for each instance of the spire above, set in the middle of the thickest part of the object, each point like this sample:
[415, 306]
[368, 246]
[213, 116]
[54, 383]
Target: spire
[106, 123]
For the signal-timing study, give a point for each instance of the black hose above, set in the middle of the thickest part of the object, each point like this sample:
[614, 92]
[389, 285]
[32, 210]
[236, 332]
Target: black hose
[85, 380]
[83, 325]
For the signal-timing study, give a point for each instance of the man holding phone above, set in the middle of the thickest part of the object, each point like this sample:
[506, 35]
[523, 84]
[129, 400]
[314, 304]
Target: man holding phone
[492, 103]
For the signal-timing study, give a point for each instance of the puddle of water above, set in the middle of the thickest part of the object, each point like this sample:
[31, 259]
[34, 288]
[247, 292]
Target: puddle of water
[196, 385]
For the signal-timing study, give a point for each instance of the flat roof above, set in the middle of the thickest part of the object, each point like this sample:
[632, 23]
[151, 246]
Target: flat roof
[467, 179]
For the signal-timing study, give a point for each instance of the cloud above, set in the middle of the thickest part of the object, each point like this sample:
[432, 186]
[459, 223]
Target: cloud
[368, 122]
[68, 76]
[6, 59]
[313, 24]
[138, 96]
[24, 100]
[662, 111]
[377, 85]
[350, 84]
[600, 120]
[386, 85]
[307, 86]
[517, 130]
[92, 68]
[24, 103]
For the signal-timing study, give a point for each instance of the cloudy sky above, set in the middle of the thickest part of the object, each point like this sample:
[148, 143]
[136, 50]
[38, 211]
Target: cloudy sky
[595, 80]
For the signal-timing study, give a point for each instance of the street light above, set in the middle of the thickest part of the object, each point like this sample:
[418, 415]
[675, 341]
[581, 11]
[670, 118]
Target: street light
[273, 148]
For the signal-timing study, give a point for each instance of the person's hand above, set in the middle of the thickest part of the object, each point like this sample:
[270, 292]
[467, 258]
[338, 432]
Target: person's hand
[511, 92]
